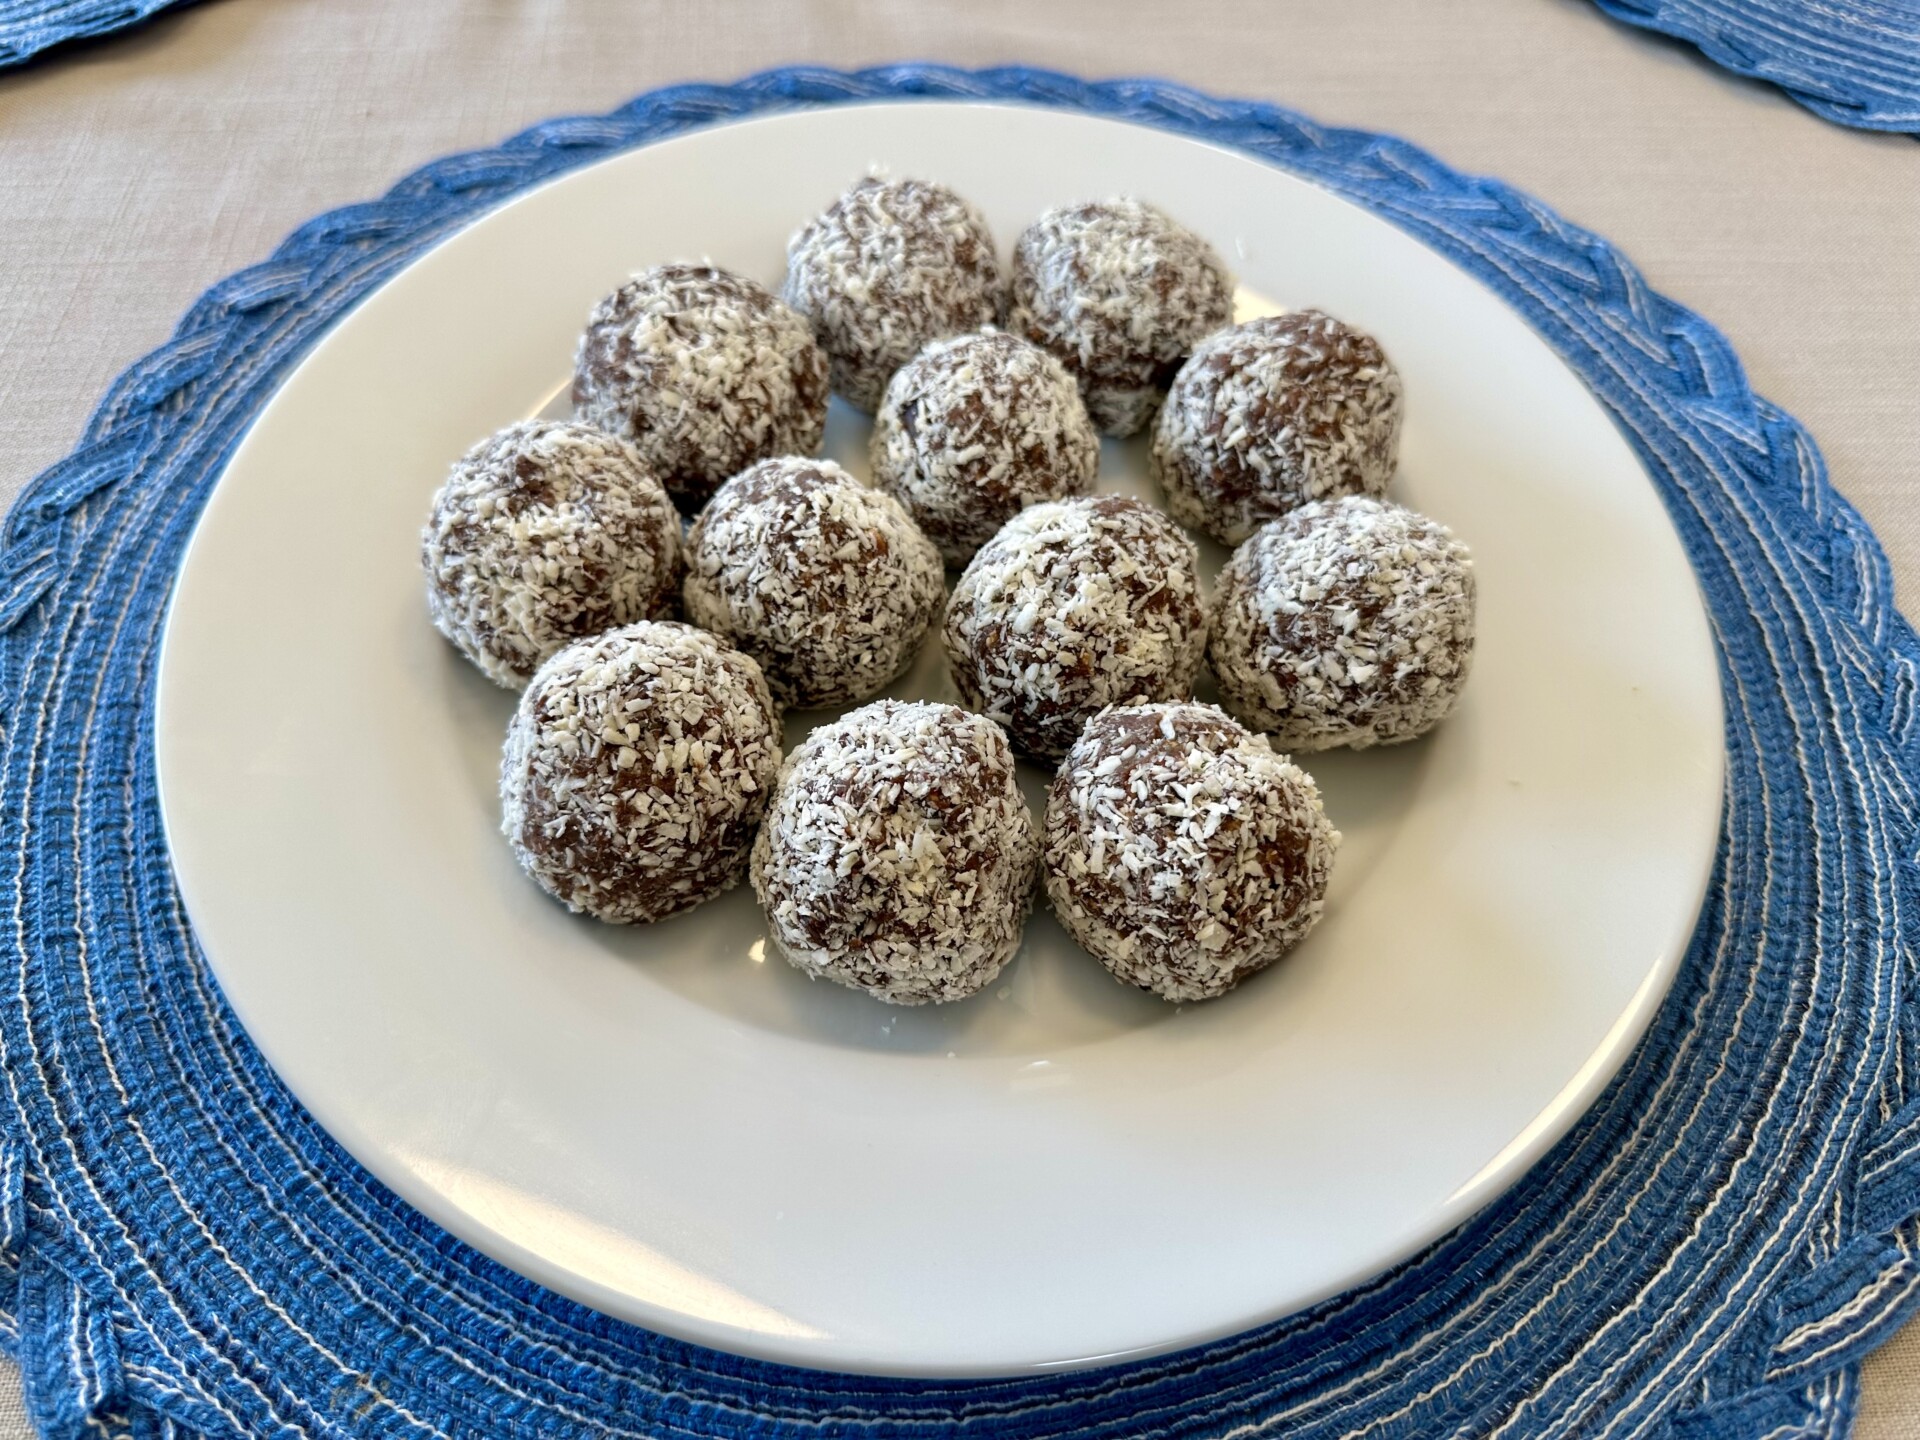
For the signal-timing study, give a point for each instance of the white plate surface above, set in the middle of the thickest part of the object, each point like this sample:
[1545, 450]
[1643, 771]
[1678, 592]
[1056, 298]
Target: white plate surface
[670, 1123]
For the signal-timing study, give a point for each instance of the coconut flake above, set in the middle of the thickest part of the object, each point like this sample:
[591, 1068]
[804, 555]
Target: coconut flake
[636, 768]
[1075, 605]
[1272, 414]
[975, 428]
[899, 855]
[828, 584]
[1181, 851]
[1120, 292]
[705, 372]
[1348, 622]
[889, 266]
[541, 534]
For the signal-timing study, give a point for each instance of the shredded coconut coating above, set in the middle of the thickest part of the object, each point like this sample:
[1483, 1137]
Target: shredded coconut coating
[1347, 622]
[1274, 413]
[1073, 606]
[542, 534]
[1182, 852]
[829, 585]
[899, 855]
[705, 372]
[889, 266]
[1120, 292]
[636, 769]
[974, 429]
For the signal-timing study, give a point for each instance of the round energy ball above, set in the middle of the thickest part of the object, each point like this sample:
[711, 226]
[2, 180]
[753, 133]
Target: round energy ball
[705, 372]
[1274, 413]
[889, 266]
[636, 769]
[1073, 606]
[1120, 292]
[975, 428]
[541, 534]
[1346, 622]
[1181, 851]
[829, 585]
[899, 855]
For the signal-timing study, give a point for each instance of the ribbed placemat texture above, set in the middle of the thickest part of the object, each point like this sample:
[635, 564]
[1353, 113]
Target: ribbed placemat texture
[29, 26]
[1707, 1254]
[1855, 62]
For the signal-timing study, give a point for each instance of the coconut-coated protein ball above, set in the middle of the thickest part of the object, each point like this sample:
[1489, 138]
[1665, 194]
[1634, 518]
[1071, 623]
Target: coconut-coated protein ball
[541, 534]
[889, 266]
[828, 584]
[1274, 413]
[1121, 293]
[1181, 851]
[1346, 622]
[636, 769]
[899, 855]
[975, 428]
[1073, 606]
[704, 372]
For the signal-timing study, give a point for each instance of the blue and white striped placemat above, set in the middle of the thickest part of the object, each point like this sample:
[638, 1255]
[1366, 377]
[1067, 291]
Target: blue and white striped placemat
[1855, 62]
[1708, 1254]
[29, 26]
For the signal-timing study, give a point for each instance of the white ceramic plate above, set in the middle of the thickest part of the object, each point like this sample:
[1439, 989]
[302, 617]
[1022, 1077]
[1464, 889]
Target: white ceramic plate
[670, 1123]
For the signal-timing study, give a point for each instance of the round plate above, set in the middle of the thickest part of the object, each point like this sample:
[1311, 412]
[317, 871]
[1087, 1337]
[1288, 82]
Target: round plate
[669, 1122]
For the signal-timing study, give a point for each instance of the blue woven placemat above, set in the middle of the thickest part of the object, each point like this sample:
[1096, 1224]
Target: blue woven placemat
[29, 26]
[1855, 62]
[1709, 1253]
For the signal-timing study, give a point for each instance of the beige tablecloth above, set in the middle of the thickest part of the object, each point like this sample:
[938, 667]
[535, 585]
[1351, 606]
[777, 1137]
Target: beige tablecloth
[136, 171]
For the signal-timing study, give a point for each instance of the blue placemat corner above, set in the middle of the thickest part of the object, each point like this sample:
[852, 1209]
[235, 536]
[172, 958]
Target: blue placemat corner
[29, 27]
[1854, 62]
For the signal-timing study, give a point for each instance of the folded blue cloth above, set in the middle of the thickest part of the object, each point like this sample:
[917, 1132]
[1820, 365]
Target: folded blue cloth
[1855, 62]
[29, 26]
[184, 1252]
